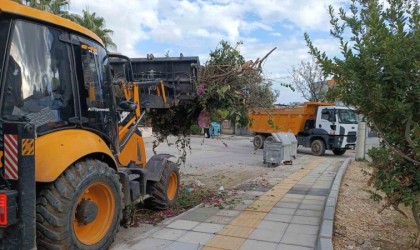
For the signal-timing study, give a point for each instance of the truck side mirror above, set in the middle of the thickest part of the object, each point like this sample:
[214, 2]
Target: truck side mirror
[128, 105]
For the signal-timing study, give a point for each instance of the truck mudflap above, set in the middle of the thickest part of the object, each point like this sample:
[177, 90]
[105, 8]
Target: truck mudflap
[18, 229]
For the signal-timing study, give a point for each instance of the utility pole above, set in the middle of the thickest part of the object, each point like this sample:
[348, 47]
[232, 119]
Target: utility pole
[361, 129]
[361, 140]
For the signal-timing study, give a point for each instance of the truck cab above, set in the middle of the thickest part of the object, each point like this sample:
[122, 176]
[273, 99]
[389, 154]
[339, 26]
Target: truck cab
[339, 127]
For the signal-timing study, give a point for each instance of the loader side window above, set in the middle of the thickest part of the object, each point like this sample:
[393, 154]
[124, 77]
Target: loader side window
[96, 97]
[37, 86]
[91, 77]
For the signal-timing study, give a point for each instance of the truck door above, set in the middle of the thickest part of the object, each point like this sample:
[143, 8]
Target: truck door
[326, 119]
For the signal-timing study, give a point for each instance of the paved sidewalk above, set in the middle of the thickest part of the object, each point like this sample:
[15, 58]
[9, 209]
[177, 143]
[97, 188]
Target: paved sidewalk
[287, 216]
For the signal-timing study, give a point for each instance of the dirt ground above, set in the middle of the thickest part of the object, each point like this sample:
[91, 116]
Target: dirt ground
[357, 223]
[226, 178]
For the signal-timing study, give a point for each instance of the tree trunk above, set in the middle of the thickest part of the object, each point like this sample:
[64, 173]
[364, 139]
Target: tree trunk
[416, 214]
[234, 127]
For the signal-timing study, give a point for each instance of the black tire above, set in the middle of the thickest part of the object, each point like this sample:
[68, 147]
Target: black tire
[258, 141]
[318, 148]
[160, 199]
[58, 202]
[339, 151]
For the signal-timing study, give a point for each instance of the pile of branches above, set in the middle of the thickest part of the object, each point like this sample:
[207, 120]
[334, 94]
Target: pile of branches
[234, 87]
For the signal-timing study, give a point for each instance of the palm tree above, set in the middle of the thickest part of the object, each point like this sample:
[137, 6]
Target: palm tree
[97, 25]
[54, 6]
[88, 20]
[57, 7]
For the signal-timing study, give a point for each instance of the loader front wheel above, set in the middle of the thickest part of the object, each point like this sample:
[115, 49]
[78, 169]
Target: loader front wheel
[165, 191]
[82, 209]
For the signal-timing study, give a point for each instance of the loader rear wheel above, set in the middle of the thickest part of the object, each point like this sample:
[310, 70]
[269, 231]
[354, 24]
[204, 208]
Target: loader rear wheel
[164, 192]
[82, 209]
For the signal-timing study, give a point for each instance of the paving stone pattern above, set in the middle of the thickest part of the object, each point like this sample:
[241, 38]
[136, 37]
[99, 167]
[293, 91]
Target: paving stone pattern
[288, 216]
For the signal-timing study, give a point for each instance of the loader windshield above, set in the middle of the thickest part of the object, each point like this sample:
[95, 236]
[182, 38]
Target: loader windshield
[37, 83]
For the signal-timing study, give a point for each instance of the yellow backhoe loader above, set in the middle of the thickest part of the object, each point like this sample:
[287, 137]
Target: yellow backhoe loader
[72, 157]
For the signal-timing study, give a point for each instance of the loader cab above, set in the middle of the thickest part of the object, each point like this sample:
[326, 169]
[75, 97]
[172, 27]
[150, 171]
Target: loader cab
[54, 78]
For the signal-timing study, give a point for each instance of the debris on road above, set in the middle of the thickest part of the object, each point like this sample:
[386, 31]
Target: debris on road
[198, 183]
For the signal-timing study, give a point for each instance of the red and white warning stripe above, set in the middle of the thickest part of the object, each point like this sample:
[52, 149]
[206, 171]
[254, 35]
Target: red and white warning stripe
[11, 156]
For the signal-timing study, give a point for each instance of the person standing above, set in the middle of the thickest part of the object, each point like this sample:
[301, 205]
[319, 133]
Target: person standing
[204, 122]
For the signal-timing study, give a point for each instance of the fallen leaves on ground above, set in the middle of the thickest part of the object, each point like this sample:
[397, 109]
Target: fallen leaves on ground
[189, 197]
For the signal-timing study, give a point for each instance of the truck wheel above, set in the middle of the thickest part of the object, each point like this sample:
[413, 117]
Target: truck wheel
[339, 151]
[258, 141]
[164, 192]
[82, 209]
[318, 147]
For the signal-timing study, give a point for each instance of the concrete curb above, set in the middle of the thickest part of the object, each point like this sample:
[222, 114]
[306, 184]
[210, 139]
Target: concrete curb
[324, 241]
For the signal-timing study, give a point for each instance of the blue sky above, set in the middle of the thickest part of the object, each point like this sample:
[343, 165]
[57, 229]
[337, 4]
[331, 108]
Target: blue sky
[194, 28]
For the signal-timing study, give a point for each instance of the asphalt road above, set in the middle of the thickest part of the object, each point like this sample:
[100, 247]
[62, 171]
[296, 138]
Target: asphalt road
[232, 150]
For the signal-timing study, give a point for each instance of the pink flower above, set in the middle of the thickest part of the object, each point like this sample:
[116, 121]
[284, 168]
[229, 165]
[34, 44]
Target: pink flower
[200, 90]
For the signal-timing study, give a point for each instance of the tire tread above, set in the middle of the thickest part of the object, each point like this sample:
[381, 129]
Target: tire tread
[55, 200]
[158, 189]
